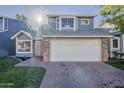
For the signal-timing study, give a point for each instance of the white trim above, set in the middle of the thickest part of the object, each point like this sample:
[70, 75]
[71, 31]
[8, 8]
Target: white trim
[78, 36]
[57, 28]
[118, 39]
[24, 40]
[26, 33]
[60, 24]
[85, 19]
[3, 31]
[3, 23]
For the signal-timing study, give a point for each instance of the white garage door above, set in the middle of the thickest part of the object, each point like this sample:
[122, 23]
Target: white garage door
[75, 49]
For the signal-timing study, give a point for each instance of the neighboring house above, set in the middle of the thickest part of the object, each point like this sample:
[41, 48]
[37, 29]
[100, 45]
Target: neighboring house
[9, 27]
[28, 44]
[65, 38]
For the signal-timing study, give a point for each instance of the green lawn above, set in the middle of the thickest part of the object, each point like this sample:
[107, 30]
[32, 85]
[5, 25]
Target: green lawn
[119, 65]
[19, 77]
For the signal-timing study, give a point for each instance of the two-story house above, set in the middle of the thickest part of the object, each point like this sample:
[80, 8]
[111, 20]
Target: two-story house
[9, 27]
[70, 38]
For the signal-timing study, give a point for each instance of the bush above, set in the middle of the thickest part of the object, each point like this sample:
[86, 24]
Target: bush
[118, 54]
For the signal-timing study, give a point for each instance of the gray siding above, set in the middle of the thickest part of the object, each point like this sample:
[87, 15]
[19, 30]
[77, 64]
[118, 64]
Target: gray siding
[85, 27]
[52, 24]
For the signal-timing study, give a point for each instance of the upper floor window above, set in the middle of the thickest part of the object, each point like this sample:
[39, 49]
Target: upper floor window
[84, 21]
[67, 23]
[3, 24]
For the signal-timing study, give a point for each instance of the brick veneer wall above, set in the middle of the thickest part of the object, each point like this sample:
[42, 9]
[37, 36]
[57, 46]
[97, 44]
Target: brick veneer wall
[104, 49]
[45, 49]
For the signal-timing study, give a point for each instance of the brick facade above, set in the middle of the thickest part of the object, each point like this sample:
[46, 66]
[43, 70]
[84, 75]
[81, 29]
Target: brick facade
[46, 49]
[104, 49]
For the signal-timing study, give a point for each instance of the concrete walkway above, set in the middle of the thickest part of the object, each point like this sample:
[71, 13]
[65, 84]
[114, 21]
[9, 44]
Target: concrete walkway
[32, 62]
[81, 75]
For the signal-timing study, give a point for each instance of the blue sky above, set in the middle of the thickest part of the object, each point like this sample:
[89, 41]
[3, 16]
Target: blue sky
[33, 11]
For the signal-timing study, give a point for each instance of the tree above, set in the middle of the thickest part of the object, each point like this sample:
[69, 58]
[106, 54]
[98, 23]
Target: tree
[114, 14]
[23, 18]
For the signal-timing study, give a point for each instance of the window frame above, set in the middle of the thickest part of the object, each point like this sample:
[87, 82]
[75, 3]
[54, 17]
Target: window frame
[31, 51]
[85, 19]
[60, 23]
[67, 22]
[3, 28]
[118, 42]
[115, 44]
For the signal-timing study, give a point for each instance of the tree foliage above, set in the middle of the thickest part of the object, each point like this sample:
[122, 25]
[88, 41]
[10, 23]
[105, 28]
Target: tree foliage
[23, 18]
[114, 14]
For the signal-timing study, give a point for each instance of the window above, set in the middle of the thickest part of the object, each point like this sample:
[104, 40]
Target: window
[115, 43]
[1, 23]
[84, 21]
[24, 46]
[67, 23]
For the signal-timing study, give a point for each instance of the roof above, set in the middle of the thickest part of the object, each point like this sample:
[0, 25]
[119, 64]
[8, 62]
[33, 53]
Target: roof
[36, 34]
[26, 33]
[79, 15]
[10, 18]
[47, 32]
[117, 33]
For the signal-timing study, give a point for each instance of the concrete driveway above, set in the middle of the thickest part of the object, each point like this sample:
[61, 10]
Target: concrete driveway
[81, 75]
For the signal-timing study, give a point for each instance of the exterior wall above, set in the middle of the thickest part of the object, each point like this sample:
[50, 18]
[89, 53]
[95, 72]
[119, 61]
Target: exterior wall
[85, 27]
[45, 49]
[52, 24]
[37, 46]
[104, 49]
[7, 46]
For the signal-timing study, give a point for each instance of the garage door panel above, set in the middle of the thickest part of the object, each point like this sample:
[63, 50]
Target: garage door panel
[75, 50]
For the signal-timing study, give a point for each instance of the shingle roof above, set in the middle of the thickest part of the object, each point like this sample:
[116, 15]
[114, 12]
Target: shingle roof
[36, 34]
[117, 33]
[46, 31]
